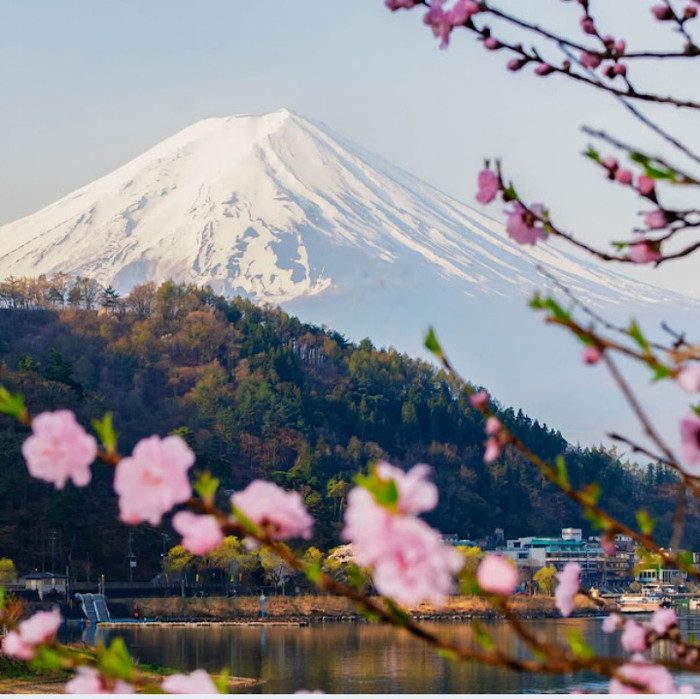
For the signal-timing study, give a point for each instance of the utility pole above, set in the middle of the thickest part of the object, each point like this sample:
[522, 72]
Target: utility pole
[52, 543]
[131, 557]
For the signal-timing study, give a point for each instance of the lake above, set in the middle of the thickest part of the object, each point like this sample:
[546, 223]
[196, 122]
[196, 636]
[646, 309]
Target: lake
[355, 658]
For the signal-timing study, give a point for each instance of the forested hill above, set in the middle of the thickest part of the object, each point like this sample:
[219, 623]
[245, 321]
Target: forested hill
[257, 393]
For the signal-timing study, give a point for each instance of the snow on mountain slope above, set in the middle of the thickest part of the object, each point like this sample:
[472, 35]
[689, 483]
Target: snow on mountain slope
[282, 210]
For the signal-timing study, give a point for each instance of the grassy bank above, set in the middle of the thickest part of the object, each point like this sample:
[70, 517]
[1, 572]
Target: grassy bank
[325, 607]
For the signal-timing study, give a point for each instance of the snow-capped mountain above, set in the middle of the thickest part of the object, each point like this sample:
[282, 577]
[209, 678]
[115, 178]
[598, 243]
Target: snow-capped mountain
[280, 209]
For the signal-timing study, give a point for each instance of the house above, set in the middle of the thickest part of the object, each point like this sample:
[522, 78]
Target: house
[45, 584]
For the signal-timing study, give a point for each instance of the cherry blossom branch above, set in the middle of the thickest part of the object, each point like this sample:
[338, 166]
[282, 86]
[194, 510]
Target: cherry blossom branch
[586, 500]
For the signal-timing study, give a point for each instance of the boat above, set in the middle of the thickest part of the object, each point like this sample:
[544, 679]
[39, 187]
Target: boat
[638, 604]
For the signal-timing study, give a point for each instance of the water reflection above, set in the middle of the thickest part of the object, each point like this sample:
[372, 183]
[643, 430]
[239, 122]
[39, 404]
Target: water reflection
[360, 658]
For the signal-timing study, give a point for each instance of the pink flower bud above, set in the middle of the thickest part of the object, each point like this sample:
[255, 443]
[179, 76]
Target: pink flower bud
[610, 163]
[590, 60]
[479, 400]
[492, 44]
[587, 25]
[591, 355]
[662, 12]
[690, 12]
[644, 252]
[544, 69]
[493, 450]
[656, 219]
[645, 184]
[688, 377]
[620, 46]
[567, 589]
[624, 176]
[620, 69]
[493, 426]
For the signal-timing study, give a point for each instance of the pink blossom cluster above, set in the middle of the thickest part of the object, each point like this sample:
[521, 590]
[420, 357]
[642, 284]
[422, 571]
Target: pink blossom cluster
[645, 184]
[494, 442]
[664, 12]
[153, 479]
[655, 679]
[200, 533]
[59, 449]
[197, 682]
[644, 251]
[635, 636]
[87, 680]
[442, 20]
[409, 560]
[497, 575]
[282, 513]
[569, 579]
[40, 628]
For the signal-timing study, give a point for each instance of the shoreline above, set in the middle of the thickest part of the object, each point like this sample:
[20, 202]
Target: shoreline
[304, 610]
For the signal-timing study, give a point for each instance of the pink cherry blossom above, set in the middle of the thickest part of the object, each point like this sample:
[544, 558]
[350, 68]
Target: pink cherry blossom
[568, 587]
[87, 680]
[688, 377]
[489, 186]
[410, 561]
[439, 22]
[634, 637]
[200, 533]
[498, 575]
[655, 678]
[197, 682]
[462, 11]
[479, 400]
[624, 176]
[612, 623]
[416, 565]
[644, 252]
[522, 227]
[655, 219]
[662, 620]
[416, 493]
[645, 184]
[282, 512]
[690, 439]
[590, 60]
[492, 451]
[153, 479]
[41, 627]
[493, 426]
[591, 355]
[59, 449]
[14, 647]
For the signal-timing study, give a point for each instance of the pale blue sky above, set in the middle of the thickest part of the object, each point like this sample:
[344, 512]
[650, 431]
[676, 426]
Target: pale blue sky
[88, 84]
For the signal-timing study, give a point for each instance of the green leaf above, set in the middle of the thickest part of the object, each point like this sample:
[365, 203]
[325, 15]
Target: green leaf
[562, 473]
[685, 558]
[592, 153]
[2, 598]
[447, 653]
[115, 661]
[314, 571]
[221, 681]
[591, 494]
[661, 372]
[432, 344]
[509, 193]
[355, 575]
[695, 408]
[579, 647]
[12, 404]
[105, 431]
[46, 658]
[206, 486]
[384, 492]
[645, 521]
[482, 636]
[636, 334]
